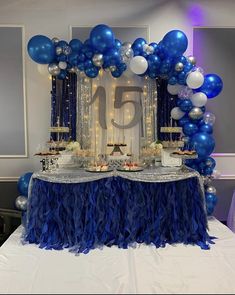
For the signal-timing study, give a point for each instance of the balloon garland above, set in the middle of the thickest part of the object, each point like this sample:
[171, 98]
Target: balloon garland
[163, 60]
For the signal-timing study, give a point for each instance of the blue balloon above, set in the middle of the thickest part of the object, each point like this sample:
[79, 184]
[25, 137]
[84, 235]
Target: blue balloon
[102, 38]
[118, 44]
[73, 58]
[154, 62]
[23, 184]
[88, 64]
[175, 43]
[41, 49]
[81, 66]
[62, 75]
[189, 129]
[81, 57]
[203, 143]
[207, 171]
[155, 46]
[210, 162]
[206, 128]
[181, 59]
[112, 57]
[62, 44]
[122, 67]
[87, 50]
[116, 74]
[185, 105]
[211, 198]
[137, 46]
[188, 67]
[183, 121]
[62, 57]
[212, 85]
[92, 72]
[172, 81]
[76, 45]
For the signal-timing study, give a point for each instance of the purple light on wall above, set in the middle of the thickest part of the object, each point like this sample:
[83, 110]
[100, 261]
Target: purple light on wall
[196, 14]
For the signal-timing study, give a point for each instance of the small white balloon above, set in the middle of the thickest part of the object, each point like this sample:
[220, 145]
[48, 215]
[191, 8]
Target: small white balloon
[138, 65]
[62, 65]
[199, 99]
[176, 113]
[174, 89]
[195, 80]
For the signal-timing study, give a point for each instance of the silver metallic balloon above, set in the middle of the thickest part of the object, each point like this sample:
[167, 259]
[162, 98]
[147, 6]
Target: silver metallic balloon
[53, 69]
[192, 60]
[62, 65]
[207, 180]
[126, 52]
[148, 49]
[195, 113]
[67, 50]
[211, 190]
[21, 203]
[58, 50]
[55, 40]
[126, 45]
[179, 67]
[112, 68]
[98, 60]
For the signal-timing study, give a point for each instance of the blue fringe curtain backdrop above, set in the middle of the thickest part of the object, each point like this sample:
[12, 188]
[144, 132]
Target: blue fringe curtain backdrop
[64, 105]
[165, 103]
[116, 211]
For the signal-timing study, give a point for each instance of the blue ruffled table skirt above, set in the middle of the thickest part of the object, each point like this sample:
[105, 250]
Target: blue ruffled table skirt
[116, 211]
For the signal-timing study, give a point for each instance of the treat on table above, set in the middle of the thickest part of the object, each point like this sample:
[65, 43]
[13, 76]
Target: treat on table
[48, 153]
[130, 166]
[99, 167]
[185, 152]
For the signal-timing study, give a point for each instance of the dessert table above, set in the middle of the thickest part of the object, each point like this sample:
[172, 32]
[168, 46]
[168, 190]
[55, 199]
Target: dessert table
[79, 210]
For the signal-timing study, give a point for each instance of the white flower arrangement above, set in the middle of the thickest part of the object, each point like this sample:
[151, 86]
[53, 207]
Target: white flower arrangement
[73, 146]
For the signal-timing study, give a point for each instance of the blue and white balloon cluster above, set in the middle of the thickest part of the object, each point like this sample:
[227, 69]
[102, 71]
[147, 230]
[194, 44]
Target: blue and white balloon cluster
[23, 189]
[102, 50]
[196, 123]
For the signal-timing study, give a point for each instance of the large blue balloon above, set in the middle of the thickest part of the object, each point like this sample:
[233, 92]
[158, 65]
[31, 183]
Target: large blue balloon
[137, 46]
[203, 143]
[212, 85]
[23, 183]
[41, 49]
[102, 38]
[175, 43]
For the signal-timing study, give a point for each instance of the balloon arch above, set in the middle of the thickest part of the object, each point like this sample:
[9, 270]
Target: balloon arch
[164, 60]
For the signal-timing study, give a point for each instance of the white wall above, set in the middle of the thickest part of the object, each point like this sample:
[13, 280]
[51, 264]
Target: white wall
[53, 18]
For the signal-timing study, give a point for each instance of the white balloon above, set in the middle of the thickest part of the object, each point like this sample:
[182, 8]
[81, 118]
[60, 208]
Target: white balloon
[138, 65]
[199, 99]
[176, 113]
[195, 80]
[174, 89]
[62, 65]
